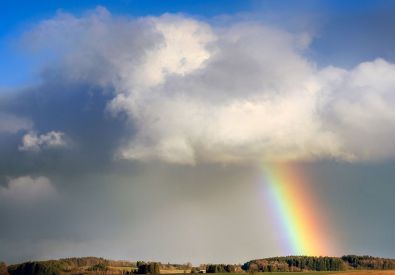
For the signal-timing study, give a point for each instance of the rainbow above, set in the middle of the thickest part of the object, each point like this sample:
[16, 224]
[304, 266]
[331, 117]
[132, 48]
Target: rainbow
[300, 222]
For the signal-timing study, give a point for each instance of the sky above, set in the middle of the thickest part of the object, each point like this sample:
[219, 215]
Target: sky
[167, 130]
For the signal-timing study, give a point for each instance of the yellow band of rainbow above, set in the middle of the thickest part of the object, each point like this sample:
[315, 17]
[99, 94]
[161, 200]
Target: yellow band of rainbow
[298, 218]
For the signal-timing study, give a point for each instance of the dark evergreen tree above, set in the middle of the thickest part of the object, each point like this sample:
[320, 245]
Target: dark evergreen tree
[147, 268]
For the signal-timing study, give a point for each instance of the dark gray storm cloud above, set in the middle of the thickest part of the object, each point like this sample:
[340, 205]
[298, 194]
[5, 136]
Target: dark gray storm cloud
[75, 108]
[144, 137]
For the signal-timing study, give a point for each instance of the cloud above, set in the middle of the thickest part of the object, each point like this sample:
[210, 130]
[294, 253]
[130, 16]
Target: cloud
[244, 92]
[10, 123]
[35, 142]
[246, 102]
[359, 108]
[27, 189]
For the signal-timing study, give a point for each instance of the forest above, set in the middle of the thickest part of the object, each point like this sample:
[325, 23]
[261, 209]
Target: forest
[305, 263]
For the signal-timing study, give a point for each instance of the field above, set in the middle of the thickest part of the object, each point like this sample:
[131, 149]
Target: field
[354, 272]
[118, 270]
[368, 272]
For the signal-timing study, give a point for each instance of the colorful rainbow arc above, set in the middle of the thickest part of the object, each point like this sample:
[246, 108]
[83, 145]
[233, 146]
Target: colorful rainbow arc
[291, 201]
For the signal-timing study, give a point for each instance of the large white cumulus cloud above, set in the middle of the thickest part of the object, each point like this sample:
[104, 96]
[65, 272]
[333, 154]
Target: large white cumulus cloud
[197, 92]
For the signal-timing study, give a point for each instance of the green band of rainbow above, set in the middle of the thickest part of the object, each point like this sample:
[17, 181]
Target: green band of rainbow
[290, 200]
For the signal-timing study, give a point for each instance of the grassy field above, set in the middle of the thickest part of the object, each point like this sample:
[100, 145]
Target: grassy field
[369, 272]
[353, 272]
[349, 272]
[285, 273]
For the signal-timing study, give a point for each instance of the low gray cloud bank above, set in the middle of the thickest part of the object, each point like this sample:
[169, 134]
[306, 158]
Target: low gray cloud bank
[27, 189]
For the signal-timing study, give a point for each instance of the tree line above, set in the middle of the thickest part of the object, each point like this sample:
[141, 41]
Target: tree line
[307, 263]
[295, 263]
[369, 262]
[220, 268]
[273, 264]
